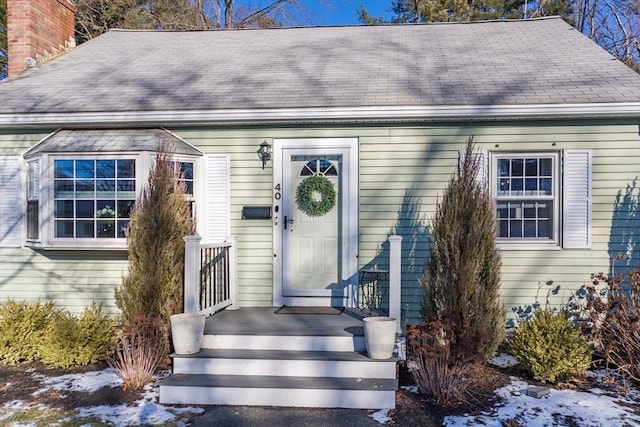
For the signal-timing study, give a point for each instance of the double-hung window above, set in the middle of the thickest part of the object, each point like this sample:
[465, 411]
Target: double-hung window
[526, 191]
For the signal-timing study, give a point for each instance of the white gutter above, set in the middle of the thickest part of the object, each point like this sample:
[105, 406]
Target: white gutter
[325, 115]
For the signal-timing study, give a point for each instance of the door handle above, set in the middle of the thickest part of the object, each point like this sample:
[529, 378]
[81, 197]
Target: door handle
[288, 221]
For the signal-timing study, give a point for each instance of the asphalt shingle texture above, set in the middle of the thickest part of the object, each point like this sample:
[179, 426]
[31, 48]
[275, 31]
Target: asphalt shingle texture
[542, 61]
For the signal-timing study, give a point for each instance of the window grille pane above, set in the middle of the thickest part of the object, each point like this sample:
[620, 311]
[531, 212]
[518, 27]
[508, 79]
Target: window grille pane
[105, 168]
[33, 225]
[126, 169]
[84, 229]
[84, 169]
[64, 209]
[64, 228]
[63, 169]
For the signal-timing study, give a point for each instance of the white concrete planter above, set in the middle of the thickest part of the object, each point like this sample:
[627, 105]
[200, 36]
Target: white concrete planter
[379, 336]
[186, 332]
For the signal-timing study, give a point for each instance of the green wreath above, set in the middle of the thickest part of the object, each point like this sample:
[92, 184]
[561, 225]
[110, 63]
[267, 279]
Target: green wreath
[307, 195]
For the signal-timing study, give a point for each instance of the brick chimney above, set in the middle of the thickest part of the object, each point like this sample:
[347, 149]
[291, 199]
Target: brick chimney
[38, 30]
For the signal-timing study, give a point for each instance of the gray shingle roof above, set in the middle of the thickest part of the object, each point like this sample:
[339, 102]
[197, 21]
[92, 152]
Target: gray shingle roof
[493, 63]
[112, 140]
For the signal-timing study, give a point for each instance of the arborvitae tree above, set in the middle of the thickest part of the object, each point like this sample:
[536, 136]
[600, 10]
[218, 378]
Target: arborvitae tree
[159, 221]
[462, 278]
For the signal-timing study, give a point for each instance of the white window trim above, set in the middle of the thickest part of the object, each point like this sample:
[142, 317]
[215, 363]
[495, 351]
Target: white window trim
[143, 161]
[524, 243]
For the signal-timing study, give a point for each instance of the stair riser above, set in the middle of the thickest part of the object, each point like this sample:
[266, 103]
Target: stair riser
[310, 398]
[297, 343]
[297, 368]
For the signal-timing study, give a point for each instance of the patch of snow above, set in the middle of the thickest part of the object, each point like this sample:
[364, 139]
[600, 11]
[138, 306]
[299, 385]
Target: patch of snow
[87, 381]
[411, 388]
[144, 413]
[584, 408]
[503, 360]
[382, 416]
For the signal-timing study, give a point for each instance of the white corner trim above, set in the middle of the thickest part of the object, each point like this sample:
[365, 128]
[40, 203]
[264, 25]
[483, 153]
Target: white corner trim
[358, 114]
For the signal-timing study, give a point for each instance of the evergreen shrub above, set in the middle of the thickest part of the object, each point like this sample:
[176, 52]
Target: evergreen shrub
[462, 277]
[71, 341]
[159, 222]
[550, 346]
[22, 329]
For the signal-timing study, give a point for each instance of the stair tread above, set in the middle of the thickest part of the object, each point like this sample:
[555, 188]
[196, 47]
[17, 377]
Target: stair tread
[243, 354]
[258, 381]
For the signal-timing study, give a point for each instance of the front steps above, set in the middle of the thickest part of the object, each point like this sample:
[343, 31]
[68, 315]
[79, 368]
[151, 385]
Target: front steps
[293, 370]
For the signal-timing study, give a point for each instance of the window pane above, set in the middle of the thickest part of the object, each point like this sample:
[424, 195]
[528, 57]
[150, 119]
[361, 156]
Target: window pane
[517, 167]
[517, 186]
[530, 229]
[503, 167]
[106, 186]
[64, 228]
[515, 228]
[122, 228]
[64, 209]
[84, 169]
[105, 209]
[545, 186]
[33, 225]
[106, 229]
[126, 185]
[126, 169]
[105, 168]
[186, 170]
[63, 188]
[63, 169]
[84, 209]
[503, 228]
[85, 188]
[531, 185]
[531, 167]
[544, 229]
[33, 180]
[124, 208]
[546, 167]
[84, 228]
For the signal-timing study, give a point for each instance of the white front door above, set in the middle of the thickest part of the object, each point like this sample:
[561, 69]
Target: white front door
[313, 251]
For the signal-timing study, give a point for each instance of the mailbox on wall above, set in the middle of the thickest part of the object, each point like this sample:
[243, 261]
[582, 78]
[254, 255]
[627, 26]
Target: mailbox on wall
[256, 212]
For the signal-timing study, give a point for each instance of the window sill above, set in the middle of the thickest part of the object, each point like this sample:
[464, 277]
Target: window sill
[527, 246]
[78, 246]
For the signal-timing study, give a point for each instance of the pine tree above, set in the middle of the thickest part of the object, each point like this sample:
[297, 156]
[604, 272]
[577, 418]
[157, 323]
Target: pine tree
[462, 278]
[159, 221]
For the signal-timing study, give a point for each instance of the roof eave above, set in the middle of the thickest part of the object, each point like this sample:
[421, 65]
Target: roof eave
[344, 115]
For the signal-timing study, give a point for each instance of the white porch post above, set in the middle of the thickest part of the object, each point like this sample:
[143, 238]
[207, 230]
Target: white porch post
[191, 273]
[233, 266]
[395, 279]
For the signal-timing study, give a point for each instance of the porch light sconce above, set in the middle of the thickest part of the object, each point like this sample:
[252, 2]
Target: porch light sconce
[264, 153]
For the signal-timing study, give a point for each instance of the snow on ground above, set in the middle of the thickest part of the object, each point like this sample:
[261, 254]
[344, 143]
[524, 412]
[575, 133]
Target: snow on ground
[559, 407]
[89, 381]
[146, 411]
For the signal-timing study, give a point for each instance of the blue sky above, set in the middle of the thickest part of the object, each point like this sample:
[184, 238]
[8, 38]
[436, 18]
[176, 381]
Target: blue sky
[343, 12]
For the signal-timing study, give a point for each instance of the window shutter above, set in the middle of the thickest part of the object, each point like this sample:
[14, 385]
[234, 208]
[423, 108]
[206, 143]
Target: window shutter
[483, 164]
[11, 202]
[217, 198]
[576, 203]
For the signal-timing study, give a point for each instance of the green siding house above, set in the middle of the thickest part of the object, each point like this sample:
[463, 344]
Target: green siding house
[380, 111]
